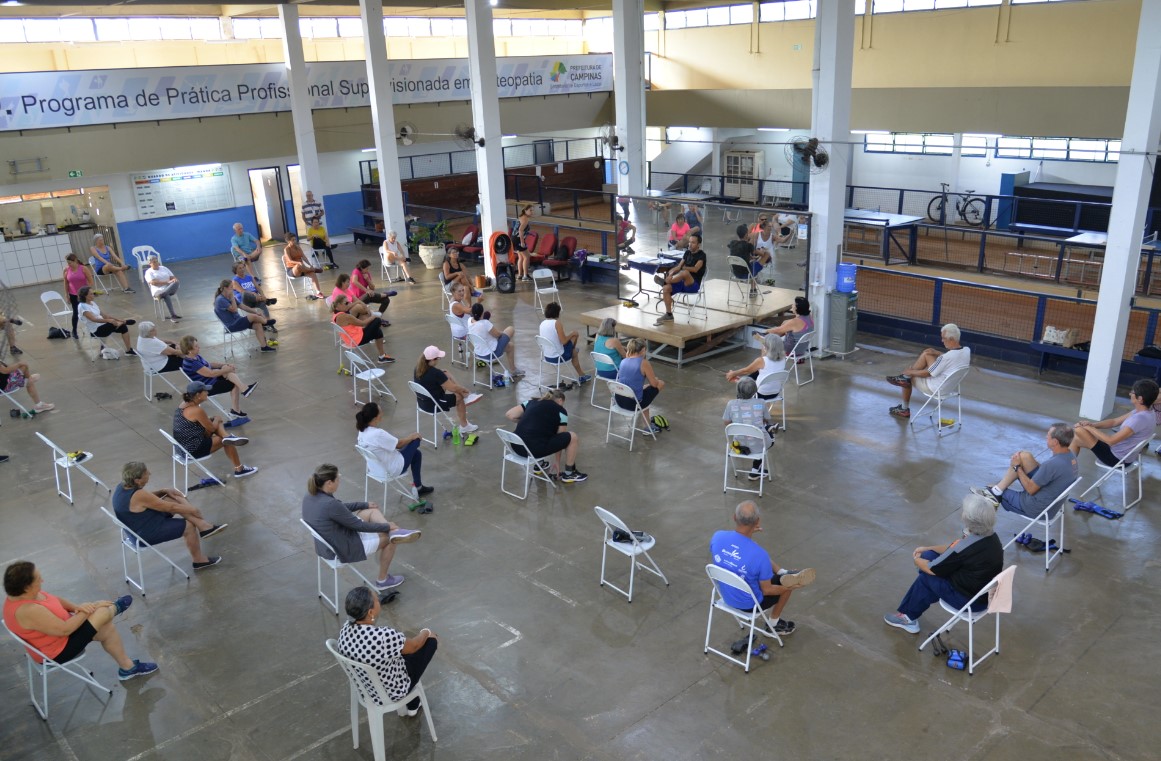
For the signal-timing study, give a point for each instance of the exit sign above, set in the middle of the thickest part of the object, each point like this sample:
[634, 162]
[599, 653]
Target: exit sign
[74, 173]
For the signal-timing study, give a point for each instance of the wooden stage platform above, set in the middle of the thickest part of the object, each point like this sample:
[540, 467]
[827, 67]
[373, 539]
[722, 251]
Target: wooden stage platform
[689, 337]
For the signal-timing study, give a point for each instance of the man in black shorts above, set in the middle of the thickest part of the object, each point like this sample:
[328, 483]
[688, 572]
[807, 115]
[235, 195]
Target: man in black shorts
[685, 277]
[542, 425]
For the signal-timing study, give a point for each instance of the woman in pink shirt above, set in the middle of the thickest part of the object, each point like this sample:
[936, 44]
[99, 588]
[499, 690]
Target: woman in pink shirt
[678, 232]
[76, 276]
[363, 289]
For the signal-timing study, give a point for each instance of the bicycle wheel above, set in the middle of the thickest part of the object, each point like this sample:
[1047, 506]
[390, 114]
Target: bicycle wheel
[935, 209]
[972, 211]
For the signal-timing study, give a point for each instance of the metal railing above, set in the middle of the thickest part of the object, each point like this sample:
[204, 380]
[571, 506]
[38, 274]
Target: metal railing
[464, 162]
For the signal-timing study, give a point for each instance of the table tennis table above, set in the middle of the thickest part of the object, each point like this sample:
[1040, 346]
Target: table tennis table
[889, 224]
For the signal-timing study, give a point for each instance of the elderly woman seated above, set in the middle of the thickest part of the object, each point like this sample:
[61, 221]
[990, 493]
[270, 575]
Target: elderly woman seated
[201, 435]
[953, 572]
[748, 409]
[772, 360]
[158, 355]
[61, 629]
[162, 515]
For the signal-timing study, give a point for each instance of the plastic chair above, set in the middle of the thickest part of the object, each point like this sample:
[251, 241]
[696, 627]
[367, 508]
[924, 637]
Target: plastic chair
[159, 310]
[749, 432]
[744, 286]
[399, 482]
[147, 384]
[142, 254]
[635, 549]
[421, 392]
[363, 370]
[367, 690]
[802, 350]
[386, 266]
[746, 618]
[182, 457]
[692, 303]
[131, 541]
[533, 467]
[41, 665]
[600, 362]
[1046, 518]
[1131, 461]
[948, 390]
[334, 564]
[556, 362]
[775, 383]
[1001, 587]
[66, 310]
[481, 352]
[459, 345]
[307, 285]
[620, 389]
[62, 462]
[445, 289]
[544, 284]
[11, 397]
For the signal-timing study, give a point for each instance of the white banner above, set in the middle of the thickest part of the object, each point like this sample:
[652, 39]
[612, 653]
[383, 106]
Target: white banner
[75, 98]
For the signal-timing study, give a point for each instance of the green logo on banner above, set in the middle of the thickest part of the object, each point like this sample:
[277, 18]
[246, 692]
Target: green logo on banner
[557, 71]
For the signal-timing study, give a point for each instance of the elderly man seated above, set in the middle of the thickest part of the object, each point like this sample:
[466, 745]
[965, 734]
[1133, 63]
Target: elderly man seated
[1040, 483]
[737, 552]
[931, 369]
[748, 409]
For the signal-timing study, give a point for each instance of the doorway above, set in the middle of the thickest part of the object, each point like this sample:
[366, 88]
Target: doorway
[297, 199]
[269, 206]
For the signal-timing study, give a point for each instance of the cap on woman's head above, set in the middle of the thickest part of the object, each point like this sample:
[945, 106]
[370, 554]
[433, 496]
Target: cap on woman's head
[195, 387]
[433, 352]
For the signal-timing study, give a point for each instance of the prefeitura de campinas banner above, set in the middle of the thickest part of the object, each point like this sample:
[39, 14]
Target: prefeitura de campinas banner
[78, 98]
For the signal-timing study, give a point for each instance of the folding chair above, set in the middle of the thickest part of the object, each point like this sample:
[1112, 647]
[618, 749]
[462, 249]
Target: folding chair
[746, 618]
[421, 392]
[131, 541]
[98, 278]
[11, 397]
[334, 564]
[802, 350]
[49, 299]
[367, 690]
[399, 482]
[692, 303]
[999, 592]
[182, 457]
[459, 345]
[735, 431]
[147, 384]
[229, 337]
[775, 383]
[41, 665]
[142, 254]
[308, 288]
[601, 362]
[634, 549]
[444, 288]
[1046, 518]
[482, 353]
[363, 370]
[159, 310]
[743, 286]
[533, 467]
[556, 362]
[544, 284]
[1131, 461]
[62, 462]
[620, 389]
[948, 390]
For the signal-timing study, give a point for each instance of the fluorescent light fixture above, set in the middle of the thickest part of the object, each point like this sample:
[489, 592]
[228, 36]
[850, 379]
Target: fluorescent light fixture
[368, 150]
[11, 3]
[870, 132]
[506, 137]
[492, 3]
[773, 129]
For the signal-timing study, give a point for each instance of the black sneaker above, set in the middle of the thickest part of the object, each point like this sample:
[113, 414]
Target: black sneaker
[213, 530]
[784, 628]
[667, 317]
[213, 561]
[4, 458]
[573, 476]
[250, 389]
[130, 352]
[423, 490]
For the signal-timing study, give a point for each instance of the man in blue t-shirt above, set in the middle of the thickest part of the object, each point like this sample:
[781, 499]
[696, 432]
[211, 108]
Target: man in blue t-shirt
[244, 247]
[736, 551]
[1040, 483]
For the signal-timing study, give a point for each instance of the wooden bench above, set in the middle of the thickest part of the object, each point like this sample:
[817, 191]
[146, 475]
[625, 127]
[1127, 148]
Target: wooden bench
[368, 235]
[1051, 350]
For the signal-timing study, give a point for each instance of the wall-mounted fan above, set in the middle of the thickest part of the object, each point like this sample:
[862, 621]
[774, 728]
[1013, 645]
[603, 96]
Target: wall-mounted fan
[405, 133]
[609, 138]
[808, 153]
[466, 136]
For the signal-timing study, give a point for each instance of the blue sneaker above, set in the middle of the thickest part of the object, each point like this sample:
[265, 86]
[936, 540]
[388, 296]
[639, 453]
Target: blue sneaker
[584, 379]
[122, 604]
[900, 621]
[140, 668]
[392, 293]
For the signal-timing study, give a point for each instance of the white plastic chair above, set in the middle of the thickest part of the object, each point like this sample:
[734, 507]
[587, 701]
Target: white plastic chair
[400, 482]
[556, 363]
[544, 283]
[746, 618]
[182, 457]
[533, 467]
[482, 353]
[1131, 461]
[49, 299]
[363, 370]
[743, 286]
[773, 383]
[367, 690]
[634, 549]
[802, 350]
[1046, 518]
[46, 666]
[62, 462]
[749, 432]
[334, 564]
[436, 413]
[385, 267]
[600, 362]
[948, 390]
[142, 254]
[620, 389]
[1001, 587]
[459, 345]
[159, 308]
[131, 541]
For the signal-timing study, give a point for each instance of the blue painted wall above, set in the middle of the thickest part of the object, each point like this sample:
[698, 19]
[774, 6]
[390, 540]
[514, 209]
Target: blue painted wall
[188, 236]
[343, 212]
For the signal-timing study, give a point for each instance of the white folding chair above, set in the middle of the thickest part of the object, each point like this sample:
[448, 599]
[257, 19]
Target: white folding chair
[62, 462]
[50, 299]
[482, 353]
[230, 337]
[367, 690]
[693, 303]
[11, 397]
[334, 564]
[999, 592]
[131, 541]
[775, 383]
[1046, 518]
[445, 289]
[746, 618]
[635, 549]
[601, 362]
[620, 389]
[948, 390]
[556, 362]
[41, 665]
[99, 280]
[150, 374]
[363, 370]
[742, 286]
[436, 413]
[802, 350]
[400, 482]
[533, 467]
[544, 283]
[459, 345]
[182, 457]
[750, 433]
[385, 267]
[142, 254]
[1131, 461]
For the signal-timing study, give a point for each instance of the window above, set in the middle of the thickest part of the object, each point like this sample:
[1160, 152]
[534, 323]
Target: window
[318, 27]
[394, 26]
[1013, 148]
[719, 16]
[144, 29]
[81, 30]
[771, 12]
[941, 4]
[350, 27]
[247, 29]
[741, 14]
[918, 5]
[974, 145]
[887, 6]
[174, 28]
[205, 28]
[652, 24]
[1114, 150]
[696, 17]
[501, 27]
[1049, 148]
[42, 30]
[418, 27]
[675, 20]
[909, 142]
[12, 30]
[799, 9]
[271, 28]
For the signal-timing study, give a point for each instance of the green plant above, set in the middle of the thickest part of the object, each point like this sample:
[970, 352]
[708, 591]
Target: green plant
[420, 235]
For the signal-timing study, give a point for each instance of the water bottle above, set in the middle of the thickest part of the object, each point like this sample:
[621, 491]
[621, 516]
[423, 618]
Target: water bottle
[456, 435]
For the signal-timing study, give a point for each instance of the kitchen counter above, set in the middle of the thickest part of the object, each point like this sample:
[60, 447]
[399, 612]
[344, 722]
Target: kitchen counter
[34, 259]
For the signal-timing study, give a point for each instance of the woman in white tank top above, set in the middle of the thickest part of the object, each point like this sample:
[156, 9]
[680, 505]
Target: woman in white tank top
[772, 360]
[460, 311]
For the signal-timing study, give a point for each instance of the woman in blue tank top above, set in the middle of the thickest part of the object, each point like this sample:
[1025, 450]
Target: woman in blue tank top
[609, 345]
[637, 373]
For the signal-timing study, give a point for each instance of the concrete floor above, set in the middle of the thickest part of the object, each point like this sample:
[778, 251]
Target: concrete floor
[536, 660]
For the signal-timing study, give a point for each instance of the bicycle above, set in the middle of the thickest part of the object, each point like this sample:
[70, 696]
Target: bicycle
[971, 209]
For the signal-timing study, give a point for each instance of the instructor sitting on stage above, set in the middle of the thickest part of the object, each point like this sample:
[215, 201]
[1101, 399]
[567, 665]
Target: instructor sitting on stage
[684, 278]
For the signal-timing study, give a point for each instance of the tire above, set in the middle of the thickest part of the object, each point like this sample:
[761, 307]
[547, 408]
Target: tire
[973, 211]
[935, 210]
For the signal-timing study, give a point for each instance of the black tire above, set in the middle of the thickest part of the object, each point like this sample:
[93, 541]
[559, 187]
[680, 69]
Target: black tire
[935, 210]
[973, 212]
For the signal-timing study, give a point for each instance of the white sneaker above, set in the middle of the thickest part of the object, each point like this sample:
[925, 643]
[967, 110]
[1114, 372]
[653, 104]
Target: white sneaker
[472, 398]
[469, 427]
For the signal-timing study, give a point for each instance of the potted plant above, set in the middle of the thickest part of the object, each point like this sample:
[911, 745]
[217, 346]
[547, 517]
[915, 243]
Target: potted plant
[432, 245]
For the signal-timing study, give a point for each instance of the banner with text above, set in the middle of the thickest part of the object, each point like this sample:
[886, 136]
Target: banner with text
[40, 100]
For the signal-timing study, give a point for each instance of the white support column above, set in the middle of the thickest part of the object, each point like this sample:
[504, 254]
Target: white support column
[1127, 218]
[486, 120]
[831, 123]
[300, 104]
[382, 115]
[629, 93]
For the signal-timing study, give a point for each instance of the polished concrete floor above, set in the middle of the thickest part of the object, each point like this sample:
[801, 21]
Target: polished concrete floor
[536, 660]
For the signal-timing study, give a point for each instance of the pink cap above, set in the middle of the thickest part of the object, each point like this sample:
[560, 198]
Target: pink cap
[433, 352]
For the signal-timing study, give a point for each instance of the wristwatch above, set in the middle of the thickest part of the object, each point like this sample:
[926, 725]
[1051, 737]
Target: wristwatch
[1016, 468]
